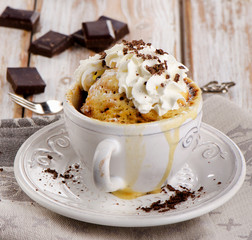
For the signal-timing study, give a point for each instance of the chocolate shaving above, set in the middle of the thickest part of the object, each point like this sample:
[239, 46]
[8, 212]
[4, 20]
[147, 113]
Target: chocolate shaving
[140, 55]
[161, 52]
[66, 176]
[170, 188]
[169, 204]
[176, 78]
[76, 166]
[103, 63]
[125, 51]
[165, 63]
[52, 171]
[135, 46]
[148, 56]
[103, 55]
[180, 196]
[181, 67]
[156, 69]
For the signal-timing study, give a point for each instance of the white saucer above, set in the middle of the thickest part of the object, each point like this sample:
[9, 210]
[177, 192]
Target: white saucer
[216, 164]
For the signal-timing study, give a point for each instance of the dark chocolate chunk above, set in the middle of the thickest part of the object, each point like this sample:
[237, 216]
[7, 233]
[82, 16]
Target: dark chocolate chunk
[25, 80]
[50, 44]
[98, 34]
[21, 19]
[79, 38]
[120, 28]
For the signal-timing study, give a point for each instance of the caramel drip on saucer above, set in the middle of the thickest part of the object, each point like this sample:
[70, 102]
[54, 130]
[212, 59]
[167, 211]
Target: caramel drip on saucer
[128, 193]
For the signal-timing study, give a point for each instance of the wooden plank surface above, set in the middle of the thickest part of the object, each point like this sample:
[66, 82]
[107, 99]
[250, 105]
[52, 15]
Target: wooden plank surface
[13, 53]
[218, 45]
[216, 41]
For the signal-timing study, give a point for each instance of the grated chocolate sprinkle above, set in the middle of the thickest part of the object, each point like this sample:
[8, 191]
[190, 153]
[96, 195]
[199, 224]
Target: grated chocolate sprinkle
[181, 67]
[156, 69]
[170, 188]
[103, 55]
[125, 51]
[161, 52]
[52, 171]
[66, 176]
[169, 204]
[135, 46]
[176, 78]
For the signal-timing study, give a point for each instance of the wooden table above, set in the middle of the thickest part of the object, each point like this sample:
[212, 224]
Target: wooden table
[213, 38]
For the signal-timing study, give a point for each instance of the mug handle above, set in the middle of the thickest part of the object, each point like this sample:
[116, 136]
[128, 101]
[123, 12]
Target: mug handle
[101, 170]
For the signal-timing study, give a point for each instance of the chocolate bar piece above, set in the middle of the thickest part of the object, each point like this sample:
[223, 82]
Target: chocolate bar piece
[98, 34]
[50, 44]
[120, 28]
[25, 80]
[79, 38]
[21, 19]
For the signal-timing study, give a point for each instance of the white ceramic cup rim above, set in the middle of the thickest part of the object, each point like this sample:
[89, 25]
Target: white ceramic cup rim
[118, 129]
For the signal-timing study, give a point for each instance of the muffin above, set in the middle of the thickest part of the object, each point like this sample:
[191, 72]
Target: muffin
[135, 83]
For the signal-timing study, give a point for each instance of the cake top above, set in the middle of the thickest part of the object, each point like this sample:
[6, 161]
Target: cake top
[150, 77]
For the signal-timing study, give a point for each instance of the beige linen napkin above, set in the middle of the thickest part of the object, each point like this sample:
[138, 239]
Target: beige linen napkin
[23, 219]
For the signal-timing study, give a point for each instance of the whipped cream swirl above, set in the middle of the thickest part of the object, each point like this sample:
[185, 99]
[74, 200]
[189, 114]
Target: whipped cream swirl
[150, 77]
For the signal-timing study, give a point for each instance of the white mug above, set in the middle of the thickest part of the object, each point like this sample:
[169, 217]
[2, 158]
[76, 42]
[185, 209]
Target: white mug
[131, 158]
